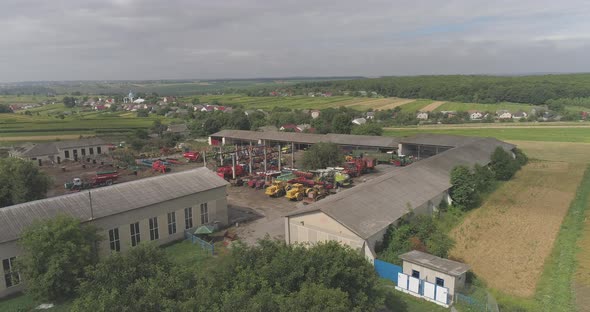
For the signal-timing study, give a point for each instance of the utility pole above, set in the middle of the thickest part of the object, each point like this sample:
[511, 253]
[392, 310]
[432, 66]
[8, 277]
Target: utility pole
[264, 143]
[292, 156]
[250, 157]
[280, 151]
[233, 165]
[91, 211]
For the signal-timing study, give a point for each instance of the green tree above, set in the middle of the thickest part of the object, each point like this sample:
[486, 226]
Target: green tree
[463, 190]
[142, 113]
[503, 165]
[322, 155]
[483, 178]
[5, 109]
[369, 128]
[69, 101]
[141, 134]
[143, 279]
[21, 181]
[211, 125]
[341, 124]
[56, 251]
[158, 127]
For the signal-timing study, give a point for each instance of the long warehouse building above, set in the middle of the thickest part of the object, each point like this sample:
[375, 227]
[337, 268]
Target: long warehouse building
[157, 209]
[360, 216]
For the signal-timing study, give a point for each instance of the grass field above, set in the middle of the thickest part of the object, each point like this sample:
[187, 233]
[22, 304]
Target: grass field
[581, 282]
[415, 105]
[512, 107]
[551, 134]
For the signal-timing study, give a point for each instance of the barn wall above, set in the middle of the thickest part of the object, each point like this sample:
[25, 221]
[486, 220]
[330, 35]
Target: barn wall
[318, 227]
[217, 211]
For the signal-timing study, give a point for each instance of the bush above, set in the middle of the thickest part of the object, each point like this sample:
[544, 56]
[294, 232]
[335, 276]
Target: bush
[503, 165]
[464, 188]
[322, 155]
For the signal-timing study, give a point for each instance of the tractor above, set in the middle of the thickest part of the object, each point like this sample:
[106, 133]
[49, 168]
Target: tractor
[316, 193]
[277, 189]
[297, 191]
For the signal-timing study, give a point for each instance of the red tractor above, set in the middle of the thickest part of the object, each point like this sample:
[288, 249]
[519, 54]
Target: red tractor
[159, 166]
[192, 156]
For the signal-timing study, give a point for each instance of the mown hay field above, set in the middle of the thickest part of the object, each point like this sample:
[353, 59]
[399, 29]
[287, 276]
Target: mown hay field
[509, 238]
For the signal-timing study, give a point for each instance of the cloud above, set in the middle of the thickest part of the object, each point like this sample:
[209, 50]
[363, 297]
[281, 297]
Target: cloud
[150, 39]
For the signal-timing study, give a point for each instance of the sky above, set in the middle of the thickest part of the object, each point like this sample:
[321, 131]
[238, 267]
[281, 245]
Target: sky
[194, 39]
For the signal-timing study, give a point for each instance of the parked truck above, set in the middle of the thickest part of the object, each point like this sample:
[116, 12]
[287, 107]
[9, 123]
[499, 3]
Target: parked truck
[103, 178]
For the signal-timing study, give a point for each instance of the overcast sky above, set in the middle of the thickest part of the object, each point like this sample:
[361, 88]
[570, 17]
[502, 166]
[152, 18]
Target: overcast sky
[157, 39]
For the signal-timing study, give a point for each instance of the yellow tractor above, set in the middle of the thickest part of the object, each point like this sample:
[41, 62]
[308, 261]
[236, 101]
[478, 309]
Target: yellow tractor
[277, 189]
[296, 192]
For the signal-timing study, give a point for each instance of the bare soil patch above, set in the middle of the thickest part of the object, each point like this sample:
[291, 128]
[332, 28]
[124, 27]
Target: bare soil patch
[432, 106]
[508, 239]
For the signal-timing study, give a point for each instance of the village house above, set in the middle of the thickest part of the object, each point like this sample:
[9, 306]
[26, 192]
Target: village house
[422, 116]
[359, 121]
[519, 115]
[475, 115]
[56, 152]
[503, 114]
[315, 114]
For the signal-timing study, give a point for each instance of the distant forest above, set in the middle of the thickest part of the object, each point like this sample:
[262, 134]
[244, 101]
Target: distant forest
[569, 89]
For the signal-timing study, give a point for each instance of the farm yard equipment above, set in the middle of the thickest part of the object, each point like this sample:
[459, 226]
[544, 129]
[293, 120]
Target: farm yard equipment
[401, 161]
[227, 173]
[342, 179]
[316, 193]
[192, 156]
[297, 191]
[160, 166]
[277, 189]
[100, 179]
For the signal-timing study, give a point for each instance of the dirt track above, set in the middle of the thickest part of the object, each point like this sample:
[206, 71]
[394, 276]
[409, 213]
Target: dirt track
[432, 106]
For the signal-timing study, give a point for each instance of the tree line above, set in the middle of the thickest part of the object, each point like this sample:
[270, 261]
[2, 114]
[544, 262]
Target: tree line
[60, 264]
[459, 88]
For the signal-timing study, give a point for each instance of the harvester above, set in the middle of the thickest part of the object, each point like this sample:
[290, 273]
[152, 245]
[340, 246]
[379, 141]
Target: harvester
[297, 191]
[277, 189]
[342, 179]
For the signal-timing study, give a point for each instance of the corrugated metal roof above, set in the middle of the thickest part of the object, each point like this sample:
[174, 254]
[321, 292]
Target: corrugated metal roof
[447, 140]
[108, 200]
[309, 138]
[51, 148]
[438, 264]
[372, 206]
[80, 143]
[42, 149]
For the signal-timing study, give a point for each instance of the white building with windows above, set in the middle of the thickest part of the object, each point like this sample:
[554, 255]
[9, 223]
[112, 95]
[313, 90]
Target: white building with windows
[56, 152]
[157, 209]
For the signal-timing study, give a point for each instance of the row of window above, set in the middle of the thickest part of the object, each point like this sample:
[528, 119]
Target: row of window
[83, 151]
[135, 234]
[12, 277]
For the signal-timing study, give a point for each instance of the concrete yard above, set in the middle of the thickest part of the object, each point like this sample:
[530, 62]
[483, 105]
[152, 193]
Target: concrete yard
[258, 215]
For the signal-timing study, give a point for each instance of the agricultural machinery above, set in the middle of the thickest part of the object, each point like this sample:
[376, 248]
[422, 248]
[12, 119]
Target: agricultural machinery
[296, 191]
[160, 166]
[226, 172]
[192, 156]
[277, 189]
[100, 179]
[316, 193]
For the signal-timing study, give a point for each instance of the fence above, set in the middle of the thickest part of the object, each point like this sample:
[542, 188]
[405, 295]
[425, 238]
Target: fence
[387, 270]
[197, 240]
[478, 300]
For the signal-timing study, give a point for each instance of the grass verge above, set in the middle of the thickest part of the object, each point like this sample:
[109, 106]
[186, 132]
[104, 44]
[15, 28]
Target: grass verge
[554, 290]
